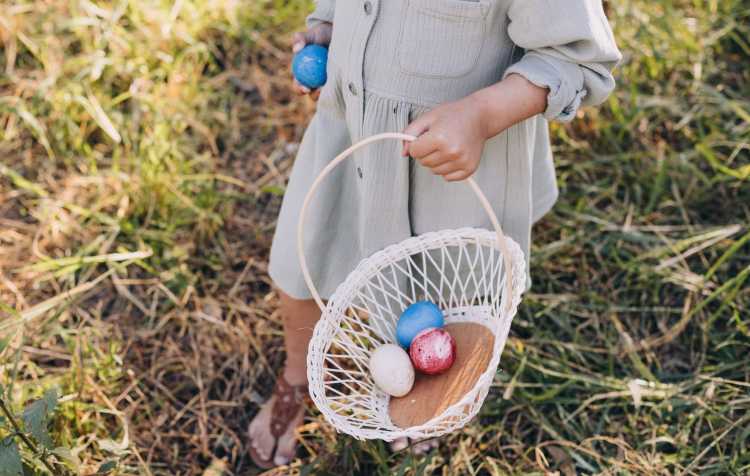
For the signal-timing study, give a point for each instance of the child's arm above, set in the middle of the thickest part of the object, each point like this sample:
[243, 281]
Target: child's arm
[452, 136]
[569, 56]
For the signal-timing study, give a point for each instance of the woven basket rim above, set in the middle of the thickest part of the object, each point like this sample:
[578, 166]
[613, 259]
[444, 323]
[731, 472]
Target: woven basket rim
[374, 262]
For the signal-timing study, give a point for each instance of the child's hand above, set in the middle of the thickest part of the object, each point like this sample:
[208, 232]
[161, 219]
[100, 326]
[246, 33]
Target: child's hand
[320, 35]
[450, 139]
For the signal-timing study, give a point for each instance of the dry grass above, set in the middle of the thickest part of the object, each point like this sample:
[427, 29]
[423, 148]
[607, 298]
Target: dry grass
[145, 146]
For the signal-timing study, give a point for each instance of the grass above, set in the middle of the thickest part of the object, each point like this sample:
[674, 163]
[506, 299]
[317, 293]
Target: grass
[145, 146]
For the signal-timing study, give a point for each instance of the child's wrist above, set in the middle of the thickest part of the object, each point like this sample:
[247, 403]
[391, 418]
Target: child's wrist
[480, 103]
[506, 103]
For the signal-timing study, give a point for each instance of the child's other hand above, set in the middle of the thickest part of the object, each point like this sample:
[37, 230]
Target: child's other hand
[320, 35]
[450, 139]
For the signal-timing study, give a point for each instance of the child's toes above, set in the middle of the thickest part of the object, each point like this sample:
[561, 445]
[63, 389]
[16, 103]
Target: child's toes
[425, 446]
[286, 447]
[259, 432]
[422, 447]
[399, 444]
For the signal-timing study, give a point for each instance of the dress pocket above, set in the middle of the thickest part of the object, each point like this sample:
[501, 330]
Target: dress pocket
[441, 38]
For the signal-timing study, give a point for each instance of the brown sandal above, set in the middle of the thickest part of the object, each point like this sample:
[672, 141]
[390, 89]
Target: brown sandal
[289, 400]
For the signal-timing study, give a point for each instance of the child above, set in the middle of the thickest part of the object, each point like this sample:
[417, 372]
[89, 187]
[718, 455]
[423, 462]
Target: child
[476, 81]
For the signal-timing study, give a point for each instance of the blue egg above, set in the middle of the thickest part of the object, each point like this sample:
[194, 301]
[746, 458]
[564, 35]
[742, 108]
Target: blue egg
[416, 318]
[309, 66]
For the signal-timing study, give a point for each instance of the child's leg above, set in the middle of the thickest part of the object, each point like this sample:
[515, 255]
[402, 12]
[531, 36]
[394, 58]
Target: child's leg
[299, 318]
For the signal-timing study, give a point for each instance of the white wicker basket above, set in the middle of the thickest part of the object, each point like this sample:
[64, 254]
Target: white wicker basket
[474, 275]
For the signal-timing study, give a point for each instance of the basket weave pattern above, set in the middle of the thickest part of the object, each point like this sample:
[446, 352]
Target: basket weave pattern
[463, 271]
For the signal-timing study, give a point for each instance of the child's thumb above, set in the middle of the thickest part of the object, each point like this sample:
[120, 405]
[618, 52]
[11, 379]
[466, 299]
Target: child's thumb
[416, 129]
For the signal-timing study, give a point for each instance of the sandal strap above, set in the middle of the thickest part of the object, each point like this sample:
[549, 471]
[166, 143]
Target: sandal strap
[289, 399]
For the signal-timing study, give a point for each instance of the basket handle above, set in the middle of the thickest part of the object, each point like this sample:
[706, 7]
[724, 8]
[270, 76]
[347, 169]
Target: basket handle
[347, 154]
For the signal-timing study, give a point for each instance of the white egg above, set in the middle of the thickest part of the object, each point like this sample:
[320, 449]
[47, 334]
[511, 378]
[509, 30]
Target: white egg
[391, 370]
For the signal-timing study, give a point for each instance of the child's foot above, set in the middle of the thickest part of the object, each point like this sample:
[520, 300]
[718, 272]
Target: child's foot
[272, 432]
[420, 448]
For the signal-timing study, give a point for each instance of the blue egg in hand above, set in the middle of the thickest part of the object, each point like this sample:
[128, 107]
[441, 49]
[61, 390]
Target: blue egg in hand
[309, 66]
[415, 319]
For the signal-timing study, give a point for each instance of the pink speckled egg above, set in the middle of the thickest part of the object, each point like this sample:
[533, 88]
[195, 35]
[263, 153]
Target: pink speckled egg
[433, 351]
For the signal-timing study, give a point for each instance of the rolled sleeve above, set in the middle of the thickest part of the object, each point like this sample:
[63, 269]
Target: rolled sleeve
[323, 13]
[564, 81]
[570, 49]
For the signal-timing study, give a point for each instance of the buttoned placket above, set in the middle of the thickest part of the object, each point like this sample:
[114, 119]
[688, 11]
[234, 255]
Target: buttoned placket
[366, 17]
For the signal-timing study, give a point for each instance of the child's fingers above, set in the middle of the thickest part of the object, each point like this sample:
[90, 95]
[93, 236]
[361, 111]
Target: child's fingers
[299, 88]
[446, 168]
[320, 35]
[423, 146]
[434, 159]
[457, 176]
[299, 41]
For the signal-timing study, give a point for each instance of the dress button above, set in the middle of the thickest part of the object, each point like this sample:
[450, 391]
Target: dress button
[353, 89]
[368, 7]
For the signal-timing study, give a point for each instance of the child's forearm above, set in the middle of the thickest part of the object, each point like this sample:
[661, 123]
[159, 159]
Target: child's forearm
[509, 102]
